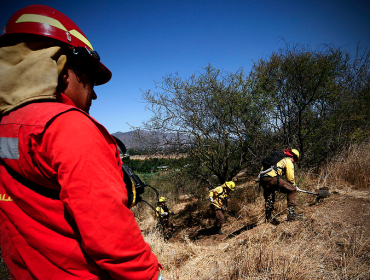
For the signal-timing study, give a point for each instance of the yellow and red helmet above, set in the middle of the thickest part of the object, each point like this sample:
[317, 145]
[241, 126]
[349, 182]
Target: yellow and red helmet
[47, 22]
[292, 153]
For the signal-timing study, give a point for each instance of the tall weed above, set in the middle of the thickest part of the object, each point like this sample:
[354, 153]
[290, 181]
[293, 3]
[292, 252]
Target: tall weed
[352, 166]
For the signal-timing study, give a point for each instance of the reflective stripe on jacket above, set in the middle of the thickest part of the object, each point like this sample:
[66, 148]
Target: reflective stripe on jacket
[62, 206]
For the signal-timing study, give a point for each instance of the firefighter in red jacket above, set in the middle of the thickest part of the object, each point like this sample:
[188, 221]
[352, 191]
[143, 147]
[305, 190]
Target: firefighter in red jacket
[63, 200]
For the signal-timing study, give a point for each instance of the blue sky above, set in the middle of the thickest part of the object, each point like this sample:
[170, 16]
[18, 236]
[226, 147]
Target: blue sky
[142, 41]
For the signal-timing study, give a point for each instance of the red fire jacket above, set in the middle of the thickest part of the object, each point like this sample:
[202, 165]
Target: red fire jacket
[62, 199]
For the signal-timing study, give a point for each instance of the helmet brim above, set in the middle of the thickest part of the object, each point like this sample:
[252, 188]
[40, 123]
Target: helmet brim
[103, 75]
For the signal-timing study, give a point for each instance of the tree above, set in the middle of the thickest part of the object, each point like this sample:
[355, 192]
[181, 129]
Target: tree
[356, 103]
[215, 116]
[308, 92]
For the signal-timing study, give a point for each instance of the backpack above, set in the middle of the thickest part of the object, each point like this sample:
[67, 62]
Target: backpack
[272, 159]
[269, 163]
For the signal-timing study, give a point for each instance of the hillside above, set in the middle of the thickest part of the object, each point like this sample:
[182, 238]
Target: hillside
[128, 138]
[151, 140]
[331, 242]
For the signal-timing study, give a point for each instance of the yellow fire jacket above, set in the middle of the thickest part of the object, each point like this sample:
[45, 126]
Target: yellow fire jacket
[159, 211]
[285, 167]
[219, 195]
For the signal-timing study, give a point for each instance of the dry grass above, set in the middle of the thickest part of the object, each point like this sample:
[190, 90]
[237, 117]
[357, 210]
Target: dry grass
[332, 242]
[323, 246]
[285, 252]
[352, 167]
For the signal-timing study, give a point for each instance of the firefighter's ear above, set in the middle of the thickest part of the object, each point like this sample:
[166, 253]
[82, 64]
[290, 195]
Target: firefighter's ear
[63, 79]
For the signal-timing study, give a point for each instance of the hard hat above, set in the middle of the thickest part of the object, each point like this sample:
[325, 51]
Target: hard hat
[162, 199]
[230, 185]
[292, 153]
[296, 153]
[47, 22]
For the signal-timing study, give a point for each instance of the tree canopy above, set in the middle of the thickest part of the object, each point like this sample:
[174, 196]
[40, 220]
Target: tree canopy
[310, 99]
[312, 96]
[219, 115]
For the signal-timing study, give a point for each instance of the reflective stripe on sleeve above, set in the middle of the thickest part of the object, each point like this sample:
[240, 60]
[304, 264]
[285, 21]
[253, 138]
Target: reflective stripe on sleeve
[9, 148]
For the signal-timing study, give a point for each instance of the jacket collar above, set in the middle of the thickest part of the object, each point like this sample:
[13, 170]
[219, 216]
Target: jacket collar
[62, 98]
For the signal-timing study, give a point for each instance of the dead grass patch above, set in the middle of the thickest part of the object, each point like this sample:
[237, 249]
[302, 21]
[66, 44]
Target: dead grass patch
[323, 246]
[352, 166]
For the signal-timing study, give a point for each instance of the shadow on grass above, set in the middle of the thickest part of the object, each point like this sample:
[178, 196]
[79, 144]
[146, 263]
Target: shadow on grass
[205, 232]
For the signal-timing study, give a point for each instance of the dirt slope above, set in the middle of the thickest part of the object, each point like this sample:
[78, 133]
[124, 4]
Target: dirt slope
[340, 210]
[331, 242]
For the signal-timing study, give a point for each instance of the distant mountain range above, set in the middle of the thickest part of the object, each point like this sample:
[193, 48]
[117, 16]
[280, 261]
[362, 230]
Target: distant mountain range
[128, 138]
[140, 139]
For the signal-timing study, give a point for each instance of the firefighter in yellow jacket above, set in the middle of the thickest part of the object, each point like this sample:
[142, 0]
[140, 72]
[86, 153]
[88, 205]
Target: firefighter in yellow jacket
[163, 214]
[218, 197]
[271, 181]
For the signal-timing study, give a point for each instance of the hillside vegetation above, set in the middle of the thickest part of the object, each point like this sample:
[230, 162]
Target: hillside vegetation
[331, 242]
